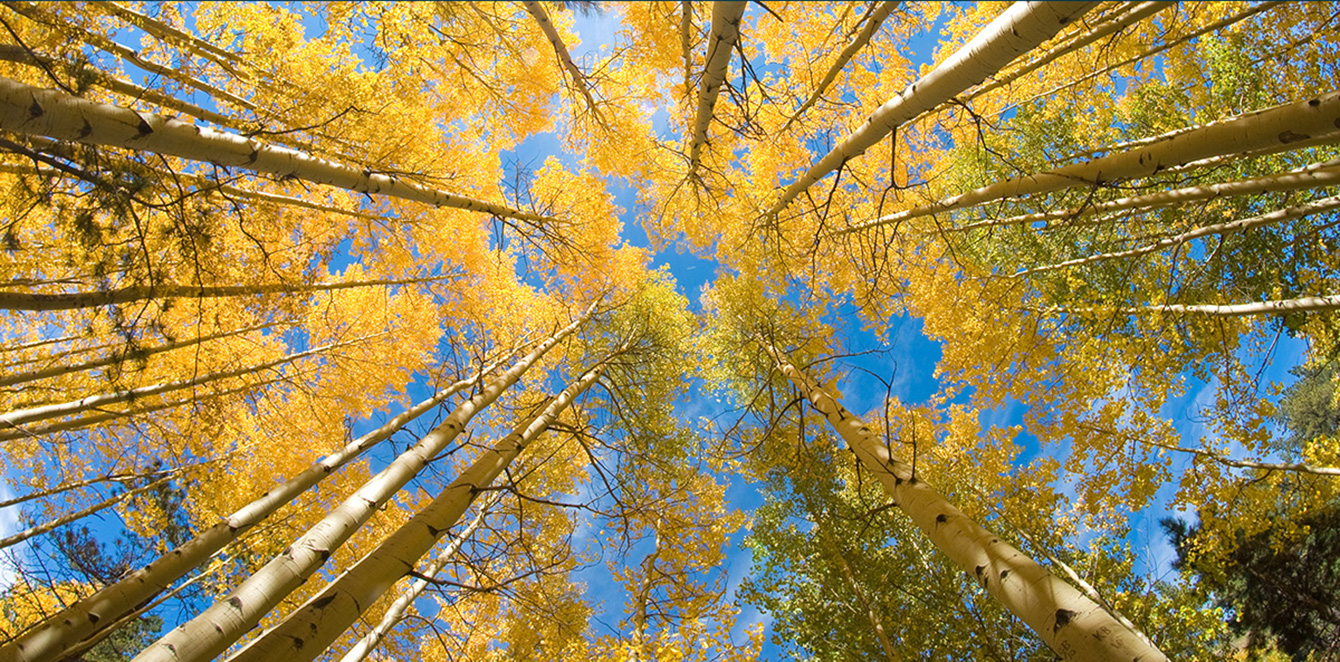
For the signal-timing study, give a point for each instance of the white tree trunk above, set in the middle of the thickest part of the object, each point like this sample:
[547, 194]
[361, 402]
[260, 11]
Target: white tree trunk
[1316, 175]
[1274, 129]
[1287, 214]
[16, 418]
[873, 20]
[218, 627]
[541, 17]
[726, 18]
[1020, 29]
[396, 612]
[1065, 619]
[73, 300]
[307, 632]
[1301, 304]
[34, 111]
[63, 631]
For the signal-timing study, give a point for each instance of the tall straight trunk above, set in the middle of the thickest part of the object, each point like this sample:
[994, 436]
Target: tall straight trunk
[1074, 626]
[1287, 214]
[536, 10]
[1316, 175]
[890, 653]
[1021, 28]
[1276, 307]
[76, 300]
[306, 633]
[218, 627]
[51, 371]
[1273, 129]
[34, 111]
[873, 20]
[103, 415]
[19, 417]
[726, 18]
[396, 612]
[61, 633]
[1138, 13]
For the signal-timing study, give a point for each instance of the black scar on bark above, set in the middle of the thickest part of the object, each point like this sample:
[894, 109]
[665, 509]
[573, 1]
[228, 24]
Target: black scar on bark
[1287, 137]
[321, 603]
[235, 602]
[1063, 618]
[35, 110]
[86, 129]
[941, 518]
[143, 127]
[980, 571]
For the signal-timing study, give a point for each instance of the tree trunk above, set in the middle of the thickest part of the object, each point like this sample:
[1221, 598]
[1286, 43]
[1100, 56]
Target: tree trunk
[1316, 175]
[218, 627]
[873, 19]
[305, 633]
[52, 371]
[396, 612]
[541, 17]
[34, 111]
[75, 300]
[86, 618]
[1273, 129]
[1301, 304]
[1020, 29]
[16, 418]
[1066, 620]
[726, 18]
[1287, 214]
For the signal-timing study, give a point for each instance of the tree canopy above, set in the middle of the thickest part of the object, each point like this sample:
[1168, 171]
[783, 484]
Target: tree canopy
[371, 330]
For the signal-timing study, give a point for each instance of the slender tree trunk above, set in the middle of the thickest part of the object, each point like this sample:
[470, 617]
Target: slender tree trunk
[66, 487]
[1066, 620]
[1140, 12]
[79, 514]
[34, 111]
[1301, 304]
[52, 371]
[305, 633]
[876, 624]
[75, 300]
[19, 417]
[1290, 213]
[61, 633]
[1316, 175]
[30, 431]
[685, 45]
[396, 612]
[726, 18]
[1273, 129]
[167, 33]
[873, 20]
[541, 17]
[1020, 29]
[218, 627]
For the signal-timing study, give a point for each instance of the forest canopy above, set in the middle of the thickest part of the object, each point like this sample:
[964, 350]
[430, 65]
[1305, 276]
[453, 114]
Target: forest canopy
[368, 331]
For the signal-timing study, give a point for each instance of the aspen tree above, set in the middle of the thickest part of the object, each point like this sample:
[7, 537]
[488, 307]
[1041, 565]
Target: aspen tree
[218, 627]
[91, 615]
[305, 633]
[721, 40]
[1022, 27]
[1067, 620]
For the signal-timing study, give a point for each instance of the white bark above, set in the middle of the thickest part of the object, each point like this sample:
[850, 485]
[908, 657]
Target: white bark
[218, 627]
[125, 355]
[726, 18]
[1301, 304]
[73, 300]
[1065, 619]
[1018, 30]
[1287, 214]
[874, 19]
[19, 417]
[396, 612]
[1270, 129]
[63, 632]
[541, 17]
[305, 633]
[34, 111]
[1316, 175]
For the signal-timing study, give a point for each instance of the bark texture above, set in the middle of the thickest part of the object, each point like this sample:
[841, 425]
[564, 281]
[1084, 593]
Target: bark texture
[726, 18]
